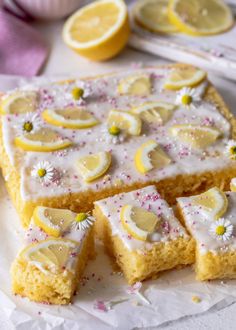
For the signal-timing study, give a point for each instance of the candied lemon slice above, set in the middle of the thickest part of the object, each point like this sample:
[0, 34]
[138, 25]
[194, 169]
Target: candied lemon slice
[43, 140]
[73, 118]
[195, 135]
[93, 166]
[200, 17]
[138, 222]
[53, 221]
[99, 30]
[19, 103]
[184, 77]
[233, 185]
[214, 201]
[124, 120]
[52, 255]
[139, 85]
[149, 155]
[154, 112]
[153, 15]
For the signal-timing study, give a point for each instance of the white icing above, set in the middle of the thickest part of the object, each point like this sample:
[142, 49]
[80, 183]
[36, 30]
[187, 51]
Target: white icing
[198, 223]
[149, 199]
[104, 97]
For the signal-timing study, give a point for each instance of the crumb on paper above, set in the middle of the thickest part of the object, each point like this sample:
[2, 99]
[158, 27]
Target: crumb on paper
[196, 299]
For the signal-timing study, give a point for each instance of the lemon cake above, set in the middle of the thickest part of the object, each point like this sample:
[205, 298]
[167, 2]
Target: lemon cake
[58, 245]
[211, 219]
[141, 232]
[70, 143]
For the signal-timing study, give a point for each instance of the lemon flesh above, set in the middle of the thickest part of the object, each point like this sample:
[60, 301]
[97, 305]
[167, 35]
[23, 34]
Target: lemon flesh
[51, 255]
[93, 166]
[184, 77]
[200, 17]
[73, 118]
[153, 15]
[139, 85]
[19, 103]
[154, 112]
[126, 121]
[99, 30]
[44, 140]
[53, 221]
[149, 156]
[196, 136]
[138, 222]
[214, 201]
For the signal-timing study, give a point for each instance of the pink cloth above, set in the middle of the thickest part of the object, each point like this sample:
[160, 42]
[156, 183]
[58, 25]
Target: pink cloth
[22, 49]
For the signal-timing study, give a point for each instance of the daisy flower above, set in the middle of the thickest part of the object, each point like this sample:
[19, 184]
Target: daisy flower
[82, 221]
[231, 149]
[114, 135]
[222, 229]
[187, 97]
[30, 123]
[43, 171]
[81, 91]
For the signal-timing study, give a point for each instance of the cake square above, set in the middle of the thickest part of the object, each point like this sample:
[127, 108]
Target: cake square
[70, 143]
[58, 245]
[161, 244]
[211, 220]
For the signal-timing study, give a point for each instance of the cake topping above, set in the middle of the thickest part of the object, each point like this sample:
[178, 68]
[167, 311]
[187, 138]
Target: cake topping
[44, 140]
[52, 255]
[71, 117]
[126, 121]
[30, 123]
[83, 221]
[43, 171]
[222, 229]
[195, 135]
[138, 222]
[231, 149]
[94, 166]
[154, 112]
[81, 91]
[233, 185]
[19, 103]
[139, 85]
[114, 135]
[187, 97]
[150, 155]
[184, 77]
[213, 201]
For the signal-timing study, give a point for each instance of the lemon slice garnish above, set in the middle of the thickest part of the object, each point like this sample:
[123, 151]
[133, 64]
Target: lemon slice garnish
[19, 103]
[73, 118]
[184, 77]
[233, 185]
[99, 30]
[154, 112]
[153, 15]
[43, 140]
[52, 255]
[124, 120]
[149, 156]
[200, 17]
[138, 222]
[195, 135]
[53, 221]
[139, 85]
[214, 201]
[93, 166]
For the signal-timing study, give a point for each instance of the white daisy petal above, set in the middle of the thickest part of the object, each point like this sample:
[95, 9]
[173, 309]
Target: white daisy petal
[43, 171]
[221, 229]
[30, 123]
[187, 97]
[83, 224]
[231, 149]
[114, 139]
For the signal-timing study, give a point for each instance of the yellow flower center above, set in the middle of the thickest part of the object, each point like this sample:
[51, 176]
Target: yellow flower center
[28, 126]
[77, 93]
[42, 172]
[233, 150]
[81, 217]
[220, 230]
[114, 130]
[186, 99]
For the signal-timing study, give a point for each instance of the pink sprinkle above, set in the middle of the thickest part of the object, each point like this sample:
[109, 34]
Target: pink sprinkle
[100, 305]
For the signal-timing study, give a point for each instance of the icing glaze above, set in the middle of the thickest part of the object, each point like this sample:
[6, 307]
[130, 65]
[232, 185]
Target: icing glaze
[149, 199]
[198, 222]
[104, 97]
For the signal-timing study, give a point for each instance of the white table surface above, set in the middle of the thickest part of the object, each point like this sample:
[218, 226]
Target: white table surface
[63, 62]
